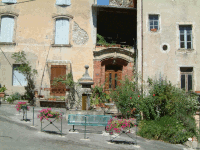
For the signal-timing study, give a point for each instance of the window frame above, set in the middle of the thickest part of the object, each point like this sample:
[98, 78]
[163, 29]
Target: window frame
[186, 78]
[185, 36]
[69, 17]
[63, 4]
[149, 26]
[16, 77]
[9, 2]
[14, 15]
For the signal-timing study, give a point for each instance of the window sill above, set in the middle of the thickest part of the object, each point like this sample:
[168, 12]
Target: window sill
[183, 49]
[7, 43]
[9, 2]
[63, 4]
[61, 45]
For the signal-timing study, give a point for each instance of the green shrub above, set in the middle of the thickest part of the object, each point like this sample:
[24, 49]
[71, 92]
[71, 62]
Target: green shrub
[166, 99]
[167, 128]
[13, 97]
[16, 96]
[99, 96]
[127, 96]
[10, 99]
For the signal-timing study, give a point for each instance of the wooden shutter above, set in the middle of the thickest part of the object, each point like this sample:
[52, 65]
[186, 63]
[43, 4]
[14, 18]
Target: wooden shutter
[62, 31]
[107, 80]
[57, 71]
[7, 29]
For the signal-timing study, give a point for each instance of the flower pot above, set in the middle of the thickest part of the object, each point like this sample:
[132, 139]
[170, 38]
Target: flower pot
[52, 99]
[154, 30]
[2, 94]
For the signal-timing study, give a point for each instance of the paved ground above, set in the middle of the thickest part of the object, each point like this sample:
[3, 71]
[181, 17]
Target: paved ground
[17, 134]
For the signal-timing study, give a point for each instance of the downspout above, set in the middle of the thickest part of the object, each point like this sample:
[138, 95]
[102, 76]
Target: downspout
[142, 50]
[142, 41]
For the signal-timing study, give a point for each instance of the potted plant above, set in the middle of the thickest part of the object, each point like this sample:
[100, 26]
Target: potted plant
[2, 91]
[120, 125]
[52, 99]
[48, 113]
[20, 105]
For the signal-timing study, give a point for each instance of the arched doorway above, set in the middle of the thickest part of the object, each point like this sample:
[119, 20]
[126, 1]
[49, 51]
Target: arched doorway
[113, 75]
[110, 71]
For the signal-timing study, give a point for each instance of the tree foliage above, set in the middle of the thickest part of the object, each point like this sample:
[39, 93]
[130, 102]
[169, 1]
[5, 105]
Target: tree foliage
[26, 69]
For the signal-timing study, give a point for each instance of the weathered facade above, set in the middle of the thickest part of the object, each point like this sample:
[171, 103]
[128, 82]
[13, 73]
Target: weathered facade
[60, 37]
[167, 35]
[35, 24]
[155, 39]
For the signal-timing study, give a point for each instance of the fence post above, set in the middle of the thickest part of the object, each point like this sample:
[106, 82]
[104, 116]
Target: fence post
[33, 115]
[26, 113]
[85, 128]
[61, 125]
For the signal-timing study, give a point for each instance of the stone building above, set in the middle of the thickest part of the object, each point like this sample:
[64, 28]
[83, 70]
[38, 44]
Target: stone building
[167, 35]
[60, 36]
[158, 38]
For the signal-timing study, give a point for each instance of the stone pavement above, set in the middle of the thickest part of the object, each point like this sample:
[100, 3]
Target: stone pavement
[94, 135]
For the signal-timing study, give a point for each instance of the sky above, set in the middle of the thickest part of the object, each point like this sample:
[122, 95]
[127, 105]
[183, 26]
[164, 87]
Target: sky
[102, 2]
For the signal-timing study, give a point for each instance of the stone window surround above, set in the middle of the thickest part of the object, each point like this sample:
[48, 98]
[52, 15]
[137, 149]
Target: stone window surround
[15, 15]
[148, 24]
[58, 62]
[191, 73]
[178, 35]
[67, 16]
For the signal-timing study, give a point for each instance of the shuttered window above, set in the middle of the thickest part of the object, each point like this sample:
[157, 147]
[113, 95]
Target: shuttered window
[9, 1]
[18, 78]
[7, 29]
[57, 71]
[63, 2]
[62, 31]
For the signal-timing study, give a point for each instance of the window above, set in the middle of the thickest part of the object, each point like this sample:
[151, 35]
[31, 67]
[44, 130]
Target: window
[153, 22]
[9, 1]
[63, 2]
[18, 78]
[57, 71]
[186, 78]
[62, 31]
[7, 29]
[185, 33]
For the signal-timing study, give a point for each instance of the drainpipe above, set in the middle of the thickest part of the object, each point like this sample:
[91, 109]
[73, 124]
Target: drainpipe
[142, 49]
[142, 39]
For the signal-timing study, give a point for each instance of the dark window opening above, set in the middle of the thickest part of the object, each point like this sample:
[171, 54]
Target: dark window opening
[116, 27]
[186, 78]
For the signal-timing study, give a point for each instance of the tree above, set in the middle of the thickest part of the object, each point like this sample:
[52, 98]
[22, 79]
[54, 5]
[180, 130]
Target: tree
[26, 69]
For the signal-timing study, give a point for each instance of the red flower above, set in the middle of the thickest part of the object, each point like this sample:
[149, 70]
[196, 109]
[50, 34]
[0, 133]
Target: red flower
[154, 94]
[138, 95]
[130, 97]
[127, 111]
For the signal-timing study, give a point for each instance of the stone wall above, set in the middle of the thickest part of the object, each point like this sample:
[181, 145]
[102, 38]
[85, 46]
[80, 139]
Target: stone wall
[123, 3]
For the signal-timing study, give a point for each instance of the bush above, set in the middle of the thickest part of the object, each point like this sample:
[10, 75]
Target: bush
[13, 97]
[99, 96]
[167, 128]
[168, 100]
[127, 96]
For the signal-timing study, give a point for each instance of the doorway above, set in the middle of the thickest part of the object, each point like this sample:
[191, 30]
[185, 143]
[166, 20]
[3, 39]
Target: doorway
[113, 75]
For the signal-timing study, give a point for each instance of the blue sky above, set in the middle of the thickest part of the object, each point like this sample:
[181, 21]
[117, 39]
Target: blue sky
[102, 2]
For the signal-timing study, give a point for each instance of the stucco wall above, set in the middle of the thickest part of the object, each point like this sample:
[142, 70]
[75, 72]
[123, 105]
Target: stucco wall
[167, 63]
[34, 33]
